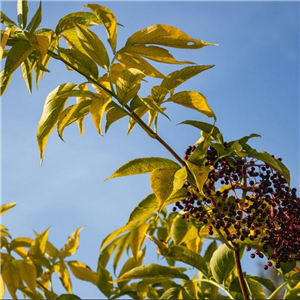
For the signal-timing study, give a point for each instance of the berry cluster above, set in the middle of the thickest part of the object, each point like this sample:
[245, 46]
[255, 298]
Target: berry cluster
[248, 201]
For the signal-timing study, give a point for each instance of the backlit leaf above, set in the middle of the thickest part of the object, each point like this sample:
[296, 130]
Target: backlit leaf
[71, 245]
[128, 84]
[137, 62]
[71, 20]
[152, 52]
[193, 100]
[108, 19]
[54, 105]
[22, 12]
[176, 78]
[6, 207]
[21, 242]
[143, 165]
[93, 46]
[82, 271]
[36, 19]
[152, 271]
[16, 56]
[152, 105]
[73, 41]
[149, 205]
[28, 273]
[165, 35]
[222, 263]
[72, 114]
[161, 181]
[80, 61]
[171, 293]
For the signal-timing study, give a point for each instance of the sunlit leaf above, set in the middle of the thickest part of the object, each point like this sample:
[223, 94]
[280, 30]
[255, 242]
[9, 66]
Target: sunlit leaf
[271, 161]
[180, 228]
[36, 19]
[222, 263]
[73, 41]
[28, 273]
[193, 100]
[152, 271]
[80, 61]
[82, 271]
[4, 81]
[106, 253]
[179, 179]
[209, 251]
[63, 273]
[124, 242]
[264, 281]
[6, 207]
[165, 35]
[71, 20]
[207, 128]
[130, 264]
[161, 181]
[72, 114]
[98, 107]
[17, 54]
[68, 296]
[11, 276]
[71, 245]
[38, 42]
[54, 105]
[21, 242]
[114, 113]
[2, 287]
[256, 288]
[108, 19]
[200, 173]
[22, 12]
[149, 205]
[128, 84]
[137, 62]
[176, 78]
[152, 52]
[142, 166]
[171, 293]
[93, 46]
[38, 246]
[6, 20]
[181, 253]
[104, 279]
[137, 238]
[4, 37]
[26, 71]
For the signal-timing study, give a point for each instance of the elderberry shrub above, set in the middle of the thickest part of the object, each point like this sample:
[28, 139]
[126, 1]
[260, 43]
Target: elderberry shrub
[249, 201]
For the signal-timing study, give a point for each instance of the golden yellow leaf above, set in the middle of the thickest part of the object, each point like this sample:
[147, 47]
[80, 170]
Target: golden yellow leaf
[28, 273]
[71, 245]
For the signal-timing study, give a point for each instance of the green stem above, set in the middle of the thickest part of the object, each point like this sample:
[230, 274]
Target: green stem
[272, 296]
[216, 284]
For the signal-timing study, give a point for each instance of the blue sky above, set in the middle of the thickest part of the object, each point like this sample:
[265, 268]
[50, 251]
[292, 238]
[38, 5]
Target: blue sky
[253, 88]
